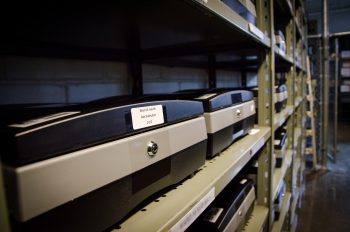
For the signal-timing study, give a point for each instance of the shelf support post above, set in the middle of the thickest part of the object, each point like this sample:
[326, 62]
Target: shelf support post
[4, 220]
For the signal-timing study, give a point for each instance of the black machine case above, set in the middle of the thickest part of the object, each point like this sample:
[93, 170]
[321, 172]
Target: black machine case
[87, 168]
[228, 210]
[278, 202]
[280, 145]
[229, 114]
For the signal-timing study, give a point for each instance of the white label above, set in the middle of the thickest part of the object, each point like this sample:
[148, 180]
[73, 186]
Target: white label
[254, 131]
[196, 210]
[243, 181]
[146, 116]
[206, 96]
[43, 119]
[213, 215]
[253, 29]
[277, 142]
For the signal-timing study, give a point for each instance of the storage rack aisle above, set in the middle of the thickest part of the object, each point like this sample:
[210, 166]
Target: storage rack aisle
[179, 206]
[208, 35]
[292, 24]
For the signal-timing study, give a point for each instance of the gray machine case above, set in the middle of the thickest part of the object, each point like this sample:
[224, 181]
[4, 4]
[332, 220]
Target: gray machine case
[92, 187]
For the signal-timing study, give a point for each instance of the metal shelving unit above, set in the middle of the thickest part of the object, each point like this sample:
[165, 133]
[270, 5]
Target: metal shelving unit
[293, 116]
[278, 225]
[282, 117]
[258, 219]
[203, 34]
[280, 173]
[294, 225]
[297, 136]
[177, 205]
[294, 204]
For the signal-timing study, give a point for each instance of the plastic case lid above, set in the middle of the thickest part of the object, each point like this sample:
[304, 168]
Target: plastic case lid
[38, 132]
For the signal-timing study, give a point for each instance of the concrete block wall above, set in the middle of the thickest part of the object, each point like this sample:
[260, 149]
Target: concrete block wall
[51, 80]
[44, 80]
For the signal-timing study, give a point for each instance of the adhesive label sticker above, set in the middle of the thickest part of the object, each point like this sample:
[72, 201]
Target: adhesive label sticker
[147, 116]
[195, 211]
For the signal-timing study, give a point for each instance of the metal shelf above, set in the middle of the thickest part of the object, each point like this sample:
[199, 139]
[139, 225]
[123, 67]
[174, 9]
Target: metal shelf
[300, 67]
[117, 30]
[298, 164]
[295, 199]
[281, 117]
[303, 146]
[277, 226]
[294, 224]
[280, 173]
[283, 60]
[258, 219]
[298, 101]
[247, 60]
[297, 135]
[223, 11]
[214, 175]
[296, 169]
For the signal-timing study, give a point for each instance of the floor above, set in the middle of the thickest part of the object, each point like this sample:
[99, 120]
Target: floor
[326, 201]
